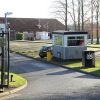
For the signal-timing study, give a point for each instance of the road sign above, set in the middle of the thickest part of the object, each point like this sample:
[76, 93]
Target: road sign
[2, 28]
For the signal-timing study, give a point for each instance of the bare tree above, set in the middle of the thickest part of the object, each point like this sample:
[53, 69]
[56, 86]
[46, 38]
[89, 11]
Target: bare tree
[74, 16]
[91, 21]
[66, 6]
[82, 14]
[78, 10]
[92, 17]
[97, 20]
[78, 15]
[60, 11]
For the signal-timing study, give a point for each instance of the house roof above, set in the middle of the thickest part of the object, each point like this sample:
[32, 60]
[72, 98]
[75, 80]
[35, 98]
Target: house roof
[31, 24]
[52, 24]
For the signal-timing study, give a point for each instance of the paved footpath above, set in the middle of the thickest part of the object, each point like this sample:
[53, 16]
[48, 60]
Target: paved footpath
[51, 82]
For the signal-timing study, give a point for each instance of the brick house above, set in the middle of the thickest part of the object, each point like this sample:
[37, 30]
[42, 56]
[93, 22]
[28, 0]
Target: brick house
[32, 25]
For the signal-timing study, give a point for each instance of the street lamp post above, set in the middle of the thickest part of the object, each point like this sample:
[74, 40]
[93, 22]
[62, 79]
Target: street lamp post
[6, 24]
[8, 56]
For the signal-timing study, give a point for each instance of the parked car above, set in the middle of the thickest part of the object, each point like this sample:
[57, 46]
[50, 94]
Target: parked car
[43, 51]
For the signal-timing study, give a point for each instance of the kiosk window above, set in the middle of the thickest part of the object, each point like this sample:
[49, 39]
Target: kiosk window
[76, 41]
[58, 40]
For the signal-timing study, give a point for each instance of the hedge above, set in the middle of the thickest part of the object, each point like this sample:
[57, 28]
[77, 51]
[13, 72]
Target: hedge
[19, 36]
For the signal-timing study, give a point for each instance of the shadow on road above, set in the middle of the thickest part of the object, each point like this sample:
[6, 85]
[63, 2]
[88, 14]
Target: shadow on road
[88, 77]
[25, 67]
[61, 72]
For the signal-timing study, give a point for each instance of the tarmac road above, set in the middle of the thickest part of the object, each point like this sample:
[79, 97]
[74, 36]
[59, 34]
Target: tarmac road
[51, 82]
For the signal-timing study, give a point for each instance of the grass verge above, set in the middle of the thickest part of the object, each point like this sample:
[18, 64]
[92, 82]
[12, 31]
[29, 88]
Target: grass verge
[17, 81]
[77, 65]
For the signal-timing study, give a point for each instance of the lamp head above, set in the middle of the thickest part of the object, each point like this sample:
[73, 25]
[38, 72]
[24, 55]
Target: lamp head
[8, 13]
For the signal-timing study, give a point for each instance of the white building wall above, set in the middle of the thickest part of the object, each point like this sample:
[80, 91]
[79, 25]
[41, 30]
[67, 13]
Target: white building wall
[42, 35]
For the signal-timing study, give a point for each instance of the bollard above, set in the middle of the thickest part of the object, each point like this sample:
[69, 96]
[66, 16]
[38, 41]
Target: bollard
[11, 78]
[49, 56]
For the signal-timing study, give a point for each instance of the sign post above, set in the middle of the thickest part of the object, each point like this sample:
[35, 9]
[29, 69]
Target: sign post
[3, 55]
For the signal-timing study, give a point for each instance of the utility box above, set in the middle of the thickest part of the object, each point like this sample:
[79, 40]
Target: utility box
[88, 59]
[69, 45]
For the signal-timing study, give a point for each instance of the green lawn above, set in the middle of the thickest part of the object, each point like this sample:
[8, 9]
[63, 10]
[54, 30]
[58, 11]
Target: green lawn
[78, 66]
[17, 81]
[94, 45]
[29, 48]
[93, 49]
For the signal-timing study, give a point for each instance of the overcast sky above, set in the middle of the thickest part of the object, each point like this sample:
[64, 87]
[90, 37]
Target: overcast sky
[27, 8]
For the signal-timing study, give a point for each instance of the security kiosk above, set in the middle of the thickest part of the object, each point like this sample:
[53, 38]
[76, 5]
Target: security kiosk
[68, 45]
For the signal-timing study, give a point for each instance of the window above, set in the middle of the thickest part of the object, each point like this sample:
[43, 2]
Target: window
[76, 41]
[58, 40]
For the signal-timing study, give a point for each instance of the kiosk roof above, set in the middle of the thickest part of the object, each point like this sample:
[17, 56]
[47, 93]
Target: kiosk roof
[69, 32]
